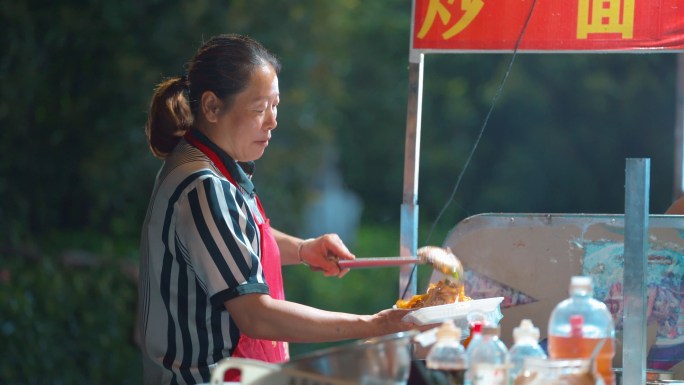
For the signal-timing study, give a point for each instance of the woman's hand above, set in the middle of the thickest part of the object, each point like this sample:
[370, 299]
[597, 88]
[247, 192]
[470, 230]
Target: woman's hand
[322, 254]
[389, 321]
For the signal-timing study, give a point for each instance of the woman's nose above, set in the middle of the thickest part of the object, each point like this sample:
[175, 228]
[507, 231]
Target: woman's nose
[271, 122]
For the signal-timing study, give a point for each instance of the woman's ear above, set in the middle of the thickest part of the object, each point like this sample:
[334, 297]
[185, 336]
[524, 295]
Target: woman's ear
[211, 106]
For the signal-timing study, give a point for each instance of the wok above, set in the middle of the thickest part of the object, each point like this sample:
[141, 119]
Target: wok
[376, 361]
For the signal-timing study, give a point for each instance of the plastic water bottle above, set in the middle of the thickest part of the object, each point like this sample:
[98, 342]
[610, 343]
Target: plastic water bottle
[579, 324]
[473, 339]
[525, 345]
[447, 359]
[488, 359]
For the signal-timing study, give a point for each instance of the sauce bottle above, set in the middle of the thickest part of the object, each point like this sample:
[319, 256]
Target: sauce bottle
[447, 360]
[579, 324]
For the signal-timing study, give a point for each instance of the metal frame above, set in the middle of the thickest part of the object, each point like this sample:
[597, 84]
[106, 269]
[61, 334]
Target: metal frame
[678, 186]
[637, 185]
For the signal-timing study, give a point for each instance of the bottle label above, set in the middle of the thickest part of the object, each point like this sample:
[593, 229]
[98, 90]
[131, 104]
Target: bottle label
[576, 325]
[489, 374]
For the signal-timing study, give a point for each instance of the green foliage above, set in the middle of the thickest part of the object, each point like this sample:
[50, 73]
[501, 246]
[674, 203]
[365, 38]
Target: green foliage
[66, 325]
[557, 138]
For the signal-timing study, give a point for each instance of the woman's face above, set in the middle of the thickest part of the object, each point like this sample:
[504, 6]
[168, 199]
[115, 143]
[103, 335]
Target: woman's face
[244, 129]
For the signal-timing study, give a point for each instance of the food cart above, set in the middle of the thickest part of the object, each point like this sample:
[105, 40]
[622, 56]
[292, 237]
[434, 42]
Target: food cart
[529, 26]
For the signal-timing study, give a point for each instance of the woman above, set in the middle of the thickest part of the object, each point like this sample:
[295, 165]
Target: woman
[210, 274]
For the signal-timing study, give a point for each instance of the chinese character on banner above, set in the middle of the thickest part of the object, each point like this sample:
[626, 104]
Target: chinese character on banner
[605, 16]
[547, 25]
[436, 8]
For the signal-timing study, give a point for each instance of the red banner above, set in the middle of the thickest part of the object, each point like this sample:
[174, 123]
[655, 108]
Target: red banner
[554, 25]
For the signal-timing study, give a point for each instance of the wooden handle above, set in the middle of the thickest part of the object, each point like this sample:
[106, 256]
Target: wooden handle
[377, 262]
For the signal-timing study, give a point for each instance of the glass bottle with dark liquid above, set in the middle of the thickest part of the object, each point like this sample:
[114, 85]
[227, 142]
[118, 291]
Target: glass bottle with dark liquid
[446, 361]
[447, 377]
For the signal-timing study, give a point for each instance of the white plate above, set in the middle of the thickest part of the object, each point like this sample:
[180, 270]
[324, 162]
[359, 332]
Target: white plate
[455, 311]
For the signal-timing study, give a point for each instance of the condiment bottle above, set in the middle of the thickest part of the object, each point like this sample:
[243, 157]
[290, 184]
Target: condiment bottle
[579, 324]
[525, 345]
[488, 359]
[473, 339]
[447, 359]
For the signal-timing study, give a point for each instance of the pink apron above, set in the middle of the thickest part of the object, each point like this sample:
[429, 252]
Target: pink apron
[263, 350]
[269, 351]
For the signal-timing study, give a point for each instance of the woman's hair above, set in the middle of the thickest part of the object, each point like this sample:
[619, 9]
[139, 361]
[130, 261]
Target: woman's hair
[223, 65]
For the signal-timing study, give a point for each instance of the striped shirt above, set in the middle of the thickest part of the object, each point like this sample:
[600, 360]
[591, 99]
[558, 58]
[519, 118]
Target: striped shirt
[199, 248]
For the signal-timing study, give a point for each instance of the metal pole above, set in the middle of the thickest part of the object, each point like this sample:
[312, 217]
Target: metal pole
[408, 241]
[409, 206]
[634, 276]
[678, 185]
[409, 203]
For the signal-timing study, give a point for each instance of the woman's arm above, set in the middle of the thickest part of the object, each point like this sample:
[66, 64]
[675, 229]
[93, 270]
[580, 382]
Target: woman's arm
[288, 246]
[260, 316]
[677, 208]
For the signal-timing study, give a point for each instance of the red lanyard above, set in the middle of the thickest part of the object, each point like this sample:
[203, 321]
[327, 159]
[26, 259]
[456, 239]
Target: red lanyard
[190, 138]
[210, 154]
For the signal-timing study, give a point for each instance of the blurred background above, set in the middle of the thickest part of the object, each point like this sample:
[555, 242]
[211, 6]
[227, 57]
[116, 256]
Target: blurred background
[76, 174]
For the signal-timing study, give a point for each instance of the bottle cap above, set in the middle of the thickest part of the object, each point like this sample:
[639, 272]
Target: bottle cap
[525, 330]
[448, 331]
[581, 282]
[476, 316]
[476, 327]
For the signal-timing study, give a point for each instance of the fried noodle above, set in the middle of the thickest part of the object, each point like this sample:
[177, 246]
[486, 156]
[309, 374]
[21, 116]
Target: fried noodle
[443, 292]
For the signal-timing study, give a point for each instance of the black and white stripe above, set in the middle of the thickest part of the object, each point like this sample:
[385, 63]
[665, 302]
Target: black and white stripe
[199, 248]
